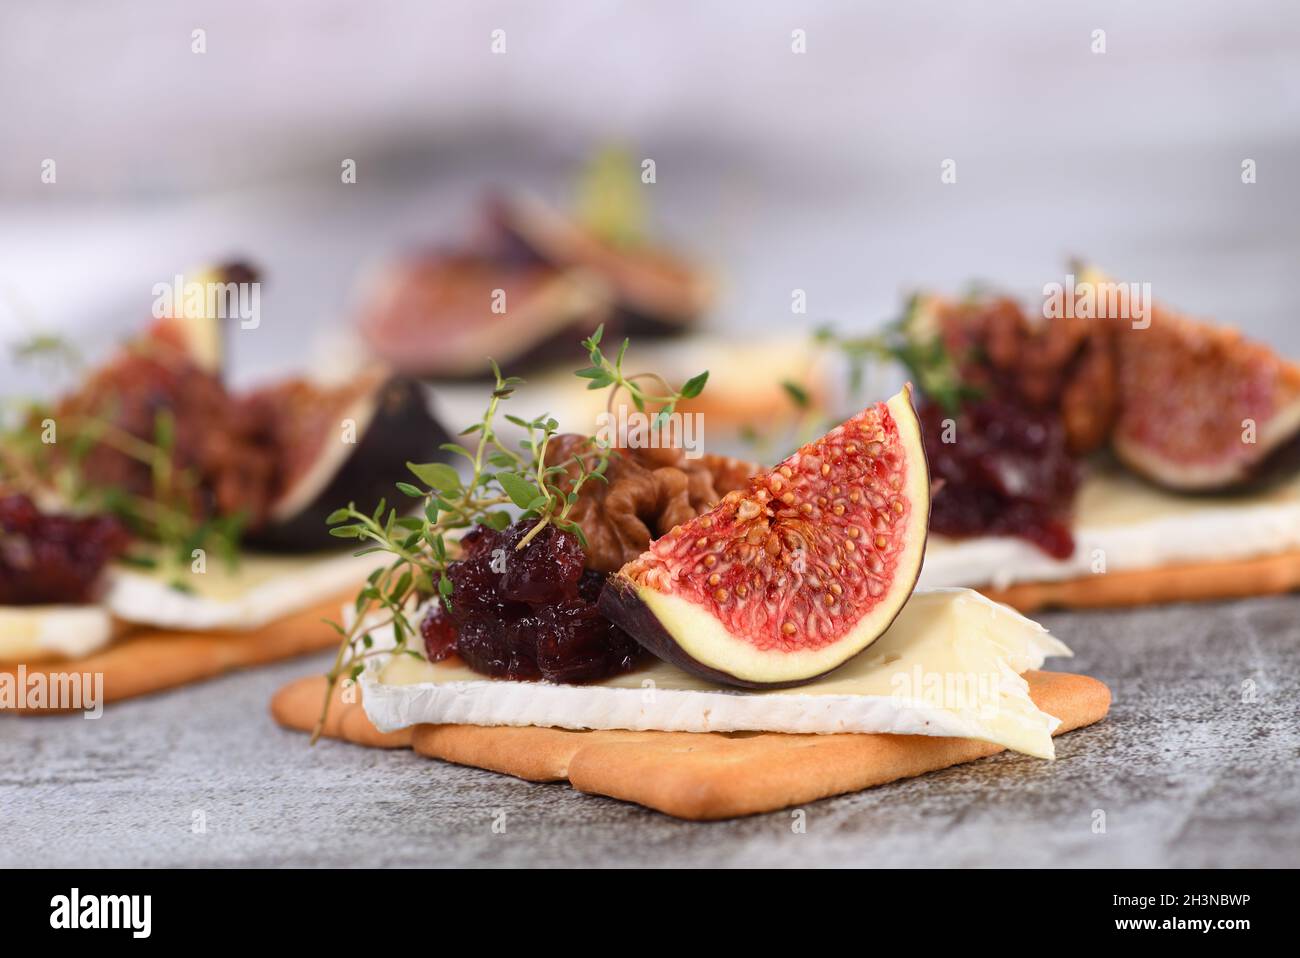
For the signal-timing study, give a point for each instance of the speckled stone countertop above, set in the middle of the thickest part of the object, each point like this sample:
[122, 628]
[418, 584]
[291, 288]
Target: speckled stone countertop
[1195, 766]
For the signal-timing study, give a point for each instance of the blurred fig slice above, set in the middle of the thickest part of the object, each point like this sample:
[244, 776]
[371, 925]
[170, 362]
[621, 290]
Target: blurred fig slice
[338, 445]
[1201, 407]
[793, 575]
[442, 315]
[192, 326]
[197, 338]
[656, 291]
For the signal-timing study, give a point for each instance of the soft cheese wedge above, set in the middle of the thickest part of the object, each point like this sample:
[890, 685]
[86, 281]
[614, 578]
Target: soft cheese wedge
[950, 665]
[33, 633]
[259, 590]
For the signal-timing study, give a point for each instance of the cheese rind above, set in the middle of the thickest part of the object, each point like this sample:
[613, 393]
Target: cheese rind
[950, 665]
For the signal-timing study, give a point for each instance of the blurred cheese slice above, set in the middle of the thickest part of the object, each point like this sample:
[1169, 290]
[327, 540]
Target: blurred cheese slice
[950, 665]
[1121, 524]
[744, 393]
[261, 589]
[745, 380]
[32, 633]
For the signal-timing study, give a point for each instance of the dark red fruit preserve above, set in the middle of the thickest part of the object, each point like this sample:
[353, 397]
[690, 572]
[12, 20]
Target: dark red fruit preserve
[526, 613]
[438, 631]
[1006, 471]
[53, 559]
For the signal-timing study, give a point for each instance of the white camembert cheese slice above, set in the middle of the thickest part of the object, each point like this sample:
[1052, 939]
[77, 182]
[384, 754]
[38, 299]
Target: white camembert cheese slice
[950, 664]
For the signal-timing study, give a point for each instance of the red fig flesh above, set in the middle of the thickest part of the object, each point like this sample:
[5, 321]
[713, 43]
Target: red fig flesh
[1202, 408]
[789, 578]
[440, 315]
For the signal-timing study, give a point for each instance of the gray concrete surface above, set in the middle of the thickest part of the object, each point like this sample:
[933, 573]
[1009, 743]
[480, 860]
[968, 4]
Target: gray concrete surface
[1196, 766]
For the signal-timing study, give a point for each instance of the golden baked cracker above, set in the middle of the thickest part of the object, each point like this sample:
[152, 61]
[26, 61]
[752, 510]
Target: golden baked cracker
[528, 752]
[149, 660]
[1191, 582]
[704, 775]
[297, 706]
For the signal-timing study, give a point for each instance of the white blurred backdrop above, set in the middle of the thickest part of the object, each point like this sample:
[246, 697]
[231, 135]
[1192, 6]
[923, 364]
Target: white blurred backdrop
[818, 171]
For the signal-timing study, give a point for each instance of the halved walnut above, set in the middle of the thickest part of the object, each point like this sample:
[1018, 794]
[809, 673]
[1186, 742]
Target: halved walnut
[649, 491]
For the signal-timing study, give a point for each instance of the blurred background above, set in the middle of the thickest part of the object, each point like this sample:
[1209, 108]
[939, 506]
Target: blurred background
[776, 170]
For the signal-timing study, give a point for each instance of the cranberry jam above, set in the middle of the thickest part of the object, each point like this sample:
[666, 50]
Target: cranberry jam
[1008, 472]
[527, 613]
[53, 559]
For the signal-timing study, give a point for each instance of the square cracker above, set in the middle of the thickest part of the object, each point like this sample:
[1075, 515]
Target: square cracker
[693, 775]
[150, 660]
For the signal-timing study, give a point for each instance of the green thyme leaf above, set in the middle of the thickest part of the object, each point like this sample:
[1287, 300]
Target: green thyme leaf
[695, 385]
[520, 490]
[797, 393]
[436, 475]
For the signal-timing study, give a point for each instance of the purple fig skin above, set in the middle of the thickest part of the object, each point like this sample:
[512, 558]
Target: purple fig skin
[402, 430]
[621, 605]
[1273, 468]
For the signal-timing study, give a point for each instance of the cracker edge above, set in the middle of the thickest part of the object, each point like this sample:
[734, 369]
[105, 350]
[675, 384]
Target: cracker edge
[1191, 582]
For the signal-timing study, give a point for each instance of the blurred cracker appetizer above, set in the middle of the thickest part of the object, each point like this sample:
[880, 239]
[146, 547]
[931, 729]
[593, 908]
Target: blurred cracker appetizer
[534, 279]
[1101, 457]
[150, 497]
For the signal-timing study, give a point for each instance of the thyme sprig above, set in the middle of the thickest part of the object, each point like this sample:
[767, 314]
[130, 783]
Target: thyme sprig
[164, 515]
[911, 342]
[49, 348]
[500, 478]
[604, 373]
